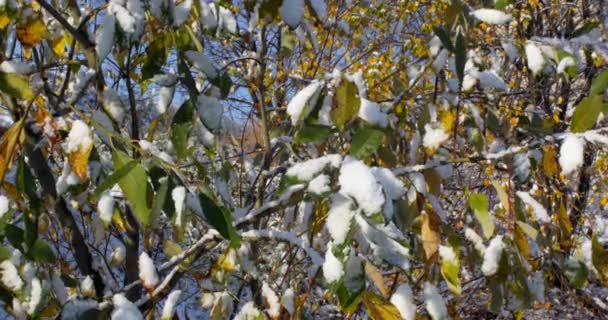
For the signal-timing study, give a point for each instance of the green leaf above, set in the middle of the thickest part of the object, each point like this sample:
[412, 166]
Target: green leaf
[5, 254]
[599, 257]
[528, 230]
[586, 113]
[599, 84]
[16, 85]
[181, 128]
[479, 204]
[224, 82]
[586, 28]
[159, 200]
[502, 194]
[14, 235]
[134, 185]
[347, 104]
[461, 56]
[312, 134]
[42, 252]
[156, 55]
[450, 270]
[113, 179]
[221, 219]
[444, 36]
[365, 142]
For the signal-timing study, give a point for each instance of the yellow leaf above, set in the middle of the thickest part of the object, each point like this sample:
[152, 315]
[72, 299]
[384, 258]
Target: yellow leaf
[429, 232]
[550, 161]
[58, 45]
[377, 279]
[12, 139]
[4, 20]
[378, 308]
[79, 161]
[31, 31]
[171, 248]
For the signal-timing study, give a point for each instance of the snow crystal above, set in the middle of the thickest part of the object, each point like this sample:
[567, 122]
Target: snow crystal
[477, 241]
[492, 16]
[434, 302]
[303, 102]
[147, 271]
[536, 60]
[447, 254]
[319, 185]
[169, 307]
[403, 299]
[288, 300]
[304, 171]
[564, 64]
[292, 11]
[333, 269]
[79, 137]
[372, 113]
[14, 66]
[181, 12]
[87, 288]
[4, 205]
[10, 276]
[124, 309]
[434, 137]
[539, 211]
[104, 36]
[571, 154]
[113, 105]
[357, 181]
[272, 301]
[201, 62]
[248, 312]
[339, 218]
[491, 257]
[210, 110]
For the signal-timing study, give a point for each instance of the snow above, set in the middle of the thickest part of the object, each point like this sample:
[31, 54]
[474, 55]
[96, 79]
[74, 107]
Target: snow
[539, 211]
[536, 60]
[403, 299]
[207, 15]
[288, 300]
[201, 62]
[357, 181]
[333, 270]
[306, 170]
[104, 36]
[477, 241]
[147, 271]
[440, 60]
[157, 8]
[113, 105]
[10, 276]
[178, 194]
[434, 137]
[320, 9]
[319, 185]
[35, 296]
[489, 80]
[14, 66]
[227, 20]
[87, 288]
[125, 20]
[292, 11]
[434, 302]
[249, 312]
[210, 110]
[304, 101]
[4, 205]
[447, 254]
[272, 301]
[571, 154]
[384, 246]
[339, 218]
[118, 255]
[511, 50]
[165, 96]
[492, 16]
[58, 288]
[169, 307]
[76, 308]
[564, 64]
[67, 179]
[372, 113]
[392, 186]
[164, 79]
[124, 309]
[181, 13]
[105, 207]
[79, 138]
[491, 257]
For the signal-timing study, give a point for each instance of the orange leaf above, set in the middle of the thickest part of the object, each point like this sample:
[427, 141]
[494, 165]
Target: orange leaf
[31, 32]
[12, 139]
[79, 161]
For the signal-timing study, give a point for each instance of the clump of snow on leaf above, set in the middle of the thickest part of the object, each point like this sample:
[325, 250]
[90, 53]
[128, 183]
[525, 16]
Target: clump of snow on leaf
[181, 12]
[10, 276]
[288, 300]
[272, 301]
[339, 217]
[447, 254]
[403, 299]
[79, 137]
[169, 307]
[113, 105]
[571, 154]
[292, 12]
[4, 205]
[358, 181]
[492, 16]
[210, 110]
[434, 302]
[15, 66]
[147, 271]
[306, 170]
[87, 287]
[333, 269]
[203, 63]
[105, 207]
[104, 36]
[536, 60]
[477, 241]
[491, 256]
[539, 211]
[434, 137]
[248, 312]
[124, 309]
[372, 113]
[319, 185]
[303, 102]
